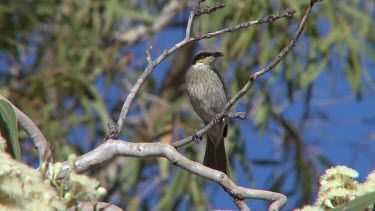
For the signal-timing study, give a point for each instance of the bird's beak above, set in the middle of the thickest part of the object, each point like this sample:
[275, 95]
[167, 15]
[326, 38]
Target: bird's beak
[218, 54]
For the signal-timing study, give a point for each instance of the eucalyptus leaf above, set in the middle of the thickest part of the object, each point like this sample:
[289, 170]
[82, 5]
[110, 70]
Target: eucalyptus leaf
[9, 128]
[359, 203]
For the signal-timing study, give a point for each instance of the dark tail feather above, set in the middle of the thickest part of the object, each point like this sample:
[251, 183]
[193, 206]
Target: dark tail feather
[215, 157]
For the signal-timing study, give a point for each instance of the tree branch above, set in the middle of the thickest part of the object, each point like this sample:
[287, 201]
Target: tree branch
[241, 205]
[208, 9]
[205, 129]
[114, 148]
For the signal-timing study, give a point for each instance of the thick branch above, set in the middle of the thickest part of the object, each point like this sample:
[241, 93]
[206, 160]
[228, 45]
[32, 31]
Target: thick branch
[114, 148]
[241, 205]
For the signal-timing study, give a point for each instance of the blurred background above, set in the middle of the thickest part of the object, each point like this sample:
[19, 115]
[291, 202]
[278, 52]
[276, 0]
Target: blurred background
[69, 65]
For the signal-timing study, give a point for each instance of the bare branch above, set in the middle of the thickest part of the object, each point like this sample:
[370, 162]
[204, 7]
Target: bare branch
[191, 18]
[241, 205]
[268, 19]
[114, 148]
[272, 64]
[148, 56]
[208, 9]
[199, 133]
[40, 142]
[129, 99]
[240, 115]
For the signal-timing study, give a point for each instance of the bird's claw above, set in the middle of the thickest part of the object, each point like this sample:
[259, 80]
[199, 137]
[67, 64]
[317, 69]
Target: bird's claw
[197, 138]
[218, 120]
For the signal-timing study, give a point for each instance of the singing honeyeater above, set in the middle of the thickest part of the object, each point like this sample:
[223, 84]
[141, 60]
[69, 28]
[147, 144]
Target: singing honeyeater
[207, 96]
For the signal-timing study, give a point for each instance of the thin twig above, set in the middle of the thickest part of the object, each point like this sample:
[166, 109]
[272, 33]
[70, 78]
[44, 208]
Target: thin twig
[208, 9]
[240, 115]
[148, 56]
[191, 19]
[199, 133]
[268, 19]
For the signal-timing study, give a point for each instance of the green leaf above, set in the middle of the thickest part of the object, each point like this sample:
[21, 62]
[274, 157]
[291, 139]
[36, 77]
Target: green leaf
[9, 128]
[359, 203]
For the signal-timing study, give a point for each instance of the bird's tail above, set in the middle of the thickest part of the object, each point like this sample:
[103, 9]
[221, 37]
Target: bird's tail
[215, 156]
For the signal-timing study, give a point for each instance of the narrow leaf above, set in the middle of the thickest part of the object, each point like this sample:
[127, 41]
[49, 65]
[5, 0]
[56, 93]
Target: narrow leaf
[9, 128]
[359, 203]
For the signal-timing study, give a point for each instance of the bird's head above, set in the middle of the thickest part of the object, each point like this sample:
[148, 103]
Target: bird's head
[207, 57]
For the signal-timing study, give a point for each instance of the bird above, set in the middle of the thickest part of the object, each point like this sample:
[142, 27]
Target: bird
[207, 95]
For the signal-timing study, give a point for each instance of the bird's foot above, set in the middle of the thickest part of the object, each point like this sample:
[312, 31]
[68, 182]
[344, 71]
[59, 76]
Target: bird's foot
[197, 138]
[218, 120]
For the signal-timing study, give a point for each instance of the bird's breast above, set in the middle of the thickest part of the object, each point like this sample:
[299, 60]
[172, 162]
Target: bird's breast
[206, 91]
